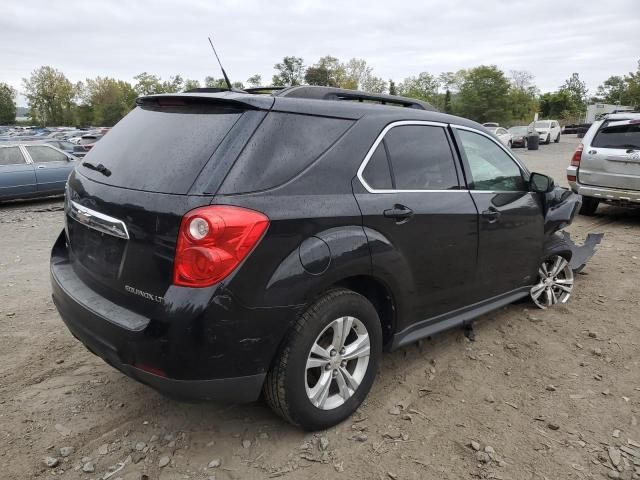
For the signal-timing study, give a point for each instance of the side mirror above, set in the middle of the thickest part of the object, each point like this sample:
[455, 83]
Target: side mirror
[540, 183]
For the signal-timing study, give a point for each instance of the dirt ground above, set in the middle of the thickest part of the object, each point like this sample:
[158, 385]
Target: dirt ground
[545, 394]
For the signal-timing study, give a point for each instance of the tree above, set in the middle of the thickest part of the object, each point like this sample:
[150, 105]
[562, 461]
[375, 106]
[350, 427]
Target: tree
[560, 104]
[328, 72]
[484, 94]
[447, 102]
[147, 84]
[521, 79]
[423, 87]
[577, 90]
[50, 96]
[373, 84]
[255, 80]
[522, 95]
[621, 90]
[108, 100]
[191, 84]
[7, 104]
[290, 72]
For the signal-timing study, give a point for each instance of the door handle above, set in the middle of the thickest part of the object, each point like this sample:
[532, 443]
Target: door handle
[399, 213]
[41, 166]
[491, 214]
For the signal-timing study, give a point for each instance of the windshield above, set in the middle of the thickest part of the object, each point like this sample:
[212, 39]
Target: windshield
[518, 130]
[620, 136]
[543, 124]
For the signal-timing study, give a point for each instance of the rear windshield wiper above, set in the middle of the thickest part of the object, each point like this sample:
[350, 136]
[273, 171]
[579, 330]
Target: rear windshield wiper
[98, 168]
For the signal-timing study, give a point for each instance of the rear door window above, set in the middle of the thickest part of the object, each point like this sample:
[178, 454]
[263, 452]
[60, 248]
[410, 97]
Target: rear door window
[161, 148]
[421, 158]
[11, 156]
[42, 154]
[619, 136]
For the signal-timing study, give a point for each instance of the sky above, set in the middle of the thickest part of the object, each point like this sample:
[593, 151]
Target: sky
[549, 38]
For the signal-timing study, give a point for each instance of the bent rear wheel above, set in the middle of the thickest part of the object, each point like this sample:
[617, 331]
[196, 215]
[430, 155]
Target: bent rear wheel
[555, 282]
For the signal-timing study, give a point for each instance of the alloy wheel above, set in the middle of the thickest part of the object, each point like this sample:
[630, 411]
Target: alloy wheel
[555, 283]
[337, 363]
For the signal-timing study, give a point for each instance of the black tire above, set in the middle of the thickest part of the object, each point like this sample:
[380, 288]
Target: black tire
[285, 388]
[548, 140]
[589, 206]
[557, 140]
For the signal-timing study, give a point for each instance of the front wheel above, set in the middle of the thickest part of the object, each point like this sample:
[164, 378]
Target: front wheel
[557, 140]
[548, 140]
[328, 363]
[555, 282]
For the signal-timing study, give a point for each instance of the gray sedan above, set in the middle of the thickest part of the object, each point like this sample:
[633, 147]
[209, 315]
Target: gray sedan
[33, 170]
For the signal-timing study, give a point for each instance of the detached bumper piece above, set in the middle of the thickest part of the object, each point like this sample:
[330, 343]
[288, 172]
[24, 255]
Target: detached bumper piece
[582, 253]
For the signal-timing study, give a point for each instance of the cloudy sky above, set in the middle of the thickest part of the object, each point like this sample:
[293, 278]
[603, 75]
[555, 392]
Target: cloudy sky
[550, 38]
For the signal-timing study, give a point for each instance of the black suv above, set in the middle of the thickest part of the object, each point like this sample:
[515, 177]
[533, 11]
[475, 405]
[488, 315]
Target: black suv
[221, 244]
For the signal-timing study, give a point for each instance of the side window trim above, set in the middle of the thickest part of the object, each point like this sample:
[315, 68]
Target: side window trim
[463, 156]
[380, 138]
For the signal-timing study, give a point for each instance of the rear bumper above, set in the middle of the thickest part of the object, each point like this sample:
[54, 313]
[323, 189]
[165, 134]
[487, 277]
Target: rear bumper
[222, 353]
[602, 193]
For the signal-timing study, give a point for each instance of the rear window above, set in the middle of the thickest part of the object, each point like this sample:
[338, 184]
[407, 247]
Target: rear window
[160, 149]
[620, 136]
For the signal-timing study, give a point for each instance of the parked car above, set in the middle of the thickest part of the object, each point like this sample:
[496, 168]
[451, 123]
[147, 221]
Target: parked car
[87, 141]
[520, 135]
[67, 147]
[606, 165]
[32, 170]
[278, 242]
[548, 130]
[503, 134]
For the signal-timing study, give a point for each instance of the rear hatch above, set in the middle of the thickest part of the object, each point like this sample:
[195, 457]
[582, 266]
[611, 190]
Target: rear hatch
[126, 199]
[612, 159]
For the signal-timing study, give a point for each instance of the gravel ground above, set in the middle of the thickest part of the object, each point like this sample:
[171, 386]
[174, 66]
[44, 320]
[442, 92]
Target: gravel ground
[540, 395]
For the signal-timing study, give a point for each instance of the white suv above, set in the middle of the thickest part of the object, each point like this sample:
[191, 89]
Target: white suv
[606, 165]
[548, 130]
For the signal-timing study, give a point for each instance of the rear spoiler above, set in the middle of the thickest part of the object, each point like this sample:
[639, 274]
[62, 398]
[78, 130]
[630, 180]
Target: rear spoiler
[223, 98]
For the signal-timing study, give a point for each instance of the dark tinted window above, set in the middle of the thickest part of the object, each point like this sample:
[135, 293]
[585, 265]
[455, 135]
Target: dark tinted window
[283, 146]
[161, 149]
[621, 136]
[42, 154]
[376, 173]
[491, 168]
[421, 158]
[10, 156]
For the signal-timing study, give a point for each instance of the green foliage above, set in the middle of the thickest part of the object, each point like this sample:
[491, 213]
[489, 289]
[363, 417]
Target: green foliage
[577, 91]
[147, 84]
[107, 99]
[423, 87]
[328, 72]
[290, 72]
[255, 80]
[50, 96]
[7, 104]
[191, 84]
[621, 90]
[484, 95]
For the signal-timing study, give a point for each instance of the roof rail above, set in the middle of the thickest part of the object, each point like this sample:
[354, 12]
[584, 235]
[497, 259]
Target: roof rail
[259, 90]
[332, 93]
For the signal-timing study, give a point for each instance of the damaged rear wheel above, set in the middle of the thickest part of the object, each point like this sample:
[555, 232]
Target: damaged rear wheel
[555, 282]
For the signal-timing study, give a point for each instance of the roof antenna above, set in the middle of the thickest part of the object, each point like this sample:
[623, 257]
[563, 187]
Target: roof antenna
[224, 74]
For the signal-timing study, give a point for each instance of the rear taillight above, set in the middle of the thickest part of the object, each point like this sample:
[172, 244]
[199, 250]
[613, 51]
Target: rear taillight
[213, 241]
[571, 178]
[577, 156]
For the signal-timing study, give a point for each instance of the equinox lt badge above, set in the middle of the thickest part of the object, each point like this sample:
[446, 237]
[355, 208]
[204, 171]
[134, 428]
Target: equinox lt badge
[143, 294]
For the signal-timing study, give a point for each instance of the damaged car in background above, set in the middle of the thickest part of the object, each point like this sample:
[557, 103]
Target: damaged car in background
[222, 244]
